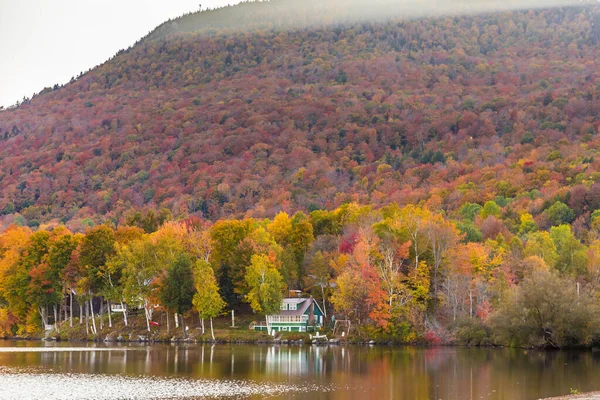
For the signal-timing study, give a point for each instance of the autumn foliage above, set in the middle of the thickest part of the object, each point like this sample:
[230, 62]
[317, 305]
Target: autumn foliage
[443, 111]
[411, 175]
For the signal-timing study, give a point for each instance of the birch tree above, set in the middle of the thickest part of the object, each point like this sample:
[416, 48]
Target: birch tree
[207, 299]
[265, 285]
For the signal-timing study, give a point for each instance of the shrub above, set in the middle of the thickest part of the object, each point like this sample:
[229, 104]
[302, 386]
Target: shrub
[546, 310]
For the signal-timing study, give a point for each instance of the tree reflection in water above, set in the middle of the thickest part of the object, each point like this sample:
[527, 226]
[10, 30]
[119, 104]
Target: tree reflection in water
[349, 372]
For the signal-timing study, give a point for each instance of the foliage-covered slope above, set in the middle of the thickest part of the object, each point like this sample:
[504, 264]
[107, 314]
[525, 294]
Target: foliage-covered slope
[449, 110]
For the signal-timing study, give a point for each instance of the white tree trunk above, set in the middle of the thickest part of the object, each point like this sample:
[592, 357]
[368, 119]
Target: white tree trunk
[168, 323]
[325, 308]
[470, 303]
[147, 316]
[94, 330]
[124, 313]
[87, 318]
[109, 315]
[176, 321]
[101, 313]
[212, 332]
[55, 317]
[71, 307]
[202, 324]
[44, 318]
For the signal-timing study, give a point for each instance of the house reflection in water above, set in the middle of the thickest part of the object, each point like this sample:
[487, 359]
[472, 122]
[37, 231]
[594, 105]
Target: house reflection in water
[295, 361]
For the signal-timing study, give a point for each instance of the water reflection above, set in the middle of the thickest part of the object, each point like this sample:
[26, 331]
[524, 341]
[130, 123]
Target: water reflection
[354, 372]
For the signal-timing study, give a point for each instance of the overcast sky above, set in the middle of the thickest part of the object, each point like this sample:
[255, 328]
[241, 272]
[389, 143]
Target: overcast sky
[43, 42]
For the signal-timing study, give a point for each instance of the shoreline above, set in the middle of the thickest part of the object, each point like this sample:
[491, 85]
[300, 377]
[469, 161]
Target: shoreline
[296, 342]
[595, 395]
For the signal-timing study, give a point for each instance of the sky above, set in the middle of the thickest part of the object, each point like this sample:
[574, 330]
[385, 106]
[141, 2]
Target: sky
[43, 42]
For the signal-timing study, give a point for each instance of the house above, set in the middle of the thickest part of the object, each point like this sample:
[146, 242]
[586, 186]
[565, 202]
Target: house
[296, 315]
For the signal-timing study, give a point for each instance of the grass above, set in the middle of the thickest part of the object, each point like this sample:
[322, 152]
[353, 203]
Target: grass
[137, 328]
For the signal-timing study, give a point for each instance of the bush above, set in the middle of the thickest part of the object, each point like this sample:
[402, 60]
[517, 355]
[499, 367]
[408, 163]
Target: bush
[472, 332]
[547, 311]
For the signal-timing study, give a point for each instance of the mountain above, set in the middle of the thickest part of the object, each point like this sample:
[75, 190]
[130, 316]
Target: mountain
[246, 111]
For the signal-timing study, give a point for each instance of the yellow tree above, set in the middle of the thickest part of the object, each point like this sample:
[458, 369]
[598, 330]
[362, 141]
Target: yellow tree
[207, 300]
[281, 228]
[443, 236]
[12, 243]
[408, 223]
[265, 285]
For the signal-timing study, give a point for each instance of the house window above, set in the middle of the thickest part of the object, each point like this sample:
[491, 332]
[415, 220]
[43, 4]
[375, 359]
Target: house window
[293, 306]
[283, 306]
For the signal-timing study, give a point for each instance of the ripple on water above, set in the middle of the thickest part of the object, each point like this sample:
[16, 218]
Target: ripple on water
[61, 349]
[26, 384]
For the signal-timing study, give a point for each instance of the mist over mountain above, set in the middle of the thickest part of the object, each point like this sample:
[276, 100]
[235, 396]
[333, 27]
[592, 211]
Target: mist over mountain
[287, 14]
[259, 107]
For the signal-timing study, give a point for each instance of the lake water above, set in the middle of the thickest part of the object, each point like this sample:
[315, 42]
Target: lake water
[37, 370]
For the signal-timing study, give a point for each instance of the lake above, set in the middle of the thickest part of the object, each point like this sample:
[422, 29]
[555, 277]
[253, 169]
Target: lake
[39, 370]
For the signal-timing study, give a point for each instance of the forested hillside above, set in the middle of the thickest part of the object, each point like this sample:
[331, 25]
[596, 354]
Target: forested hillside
[450, 110]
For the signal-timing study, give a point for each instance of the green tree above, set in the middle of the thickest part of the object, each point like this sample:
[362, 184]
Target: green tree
[527, 224]
[228, 260]
[469, 231]
[177, 291]
[541, 244]
[468, 211]
[140, 269]
[490, 208]
[96, 247]
[572, 257]
[559, 213]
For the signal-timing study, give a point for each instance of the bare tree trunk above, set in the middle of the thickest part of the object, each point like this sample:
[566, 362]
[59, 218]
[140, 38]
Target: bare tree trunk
[435, 288]
[101, 313]
[176, 321]
[124, 307]
[183, 327]
[109, 315]
[470, 303]
[44, 318]
[325, 308]
[81, 314]
[55, 317]
[94, 330]
[147, 317]
[202, 324]
[71, 307]
[168, 324]
[212, 332]
[87, 318]
[60, 310]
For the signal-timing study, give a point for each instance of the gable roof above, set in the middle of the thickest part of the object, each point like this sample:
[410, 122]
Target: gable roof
[303, 304]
